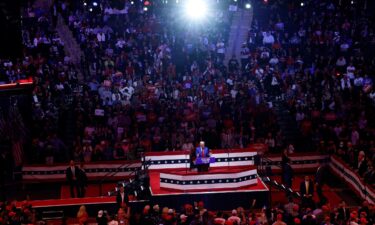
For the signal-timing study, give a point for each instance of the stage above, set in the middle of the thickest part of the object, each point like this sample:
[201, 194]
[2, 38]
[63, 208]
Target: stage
[212, 197]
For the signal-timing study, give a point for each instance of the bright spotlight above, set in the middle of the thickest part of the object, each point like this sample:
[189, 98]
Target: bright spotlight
[90, 9]
[95, 4]
[247, 5]
[85, 3]
[145, 9]
[196, 9]
[302, 4]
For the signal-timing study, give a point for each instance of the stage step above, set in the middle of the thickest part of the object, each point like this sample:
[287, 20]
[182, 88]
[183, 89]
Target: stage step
[53, 215]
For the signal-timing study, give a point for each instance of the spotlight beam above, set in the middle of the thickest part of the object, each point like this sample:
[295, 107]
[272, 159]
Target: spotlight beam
[196, 9]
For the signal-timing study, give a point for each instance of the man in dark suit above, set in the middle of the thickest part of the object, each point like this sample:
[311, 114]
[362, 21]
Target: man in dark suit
[202, 152]
[362, 164]
[343, 212]
[82, 181]
[319, 181]
[122, 198]
[307, 191]
[288, 174]
[72, 176]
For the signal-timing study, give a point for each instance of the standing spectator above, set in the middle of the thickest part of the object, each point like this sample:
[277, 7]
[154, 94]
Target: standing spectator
[234, 217]
[288, 175]
[122, 198]
[82, 215]
[319, 181]
[279, 220]
[307, 191]
[72, 176]
[82, 181]
[102, 218]
[342, 212]
[361, 164]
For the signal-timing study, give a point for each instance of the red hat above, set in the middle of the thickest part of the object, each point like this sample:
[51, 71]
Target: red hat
[297, 221]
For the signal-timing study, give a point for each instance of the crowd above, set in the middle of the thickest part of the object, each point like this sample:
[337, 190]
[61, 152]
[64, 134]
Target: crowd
[290, 213]
[152, 84]
[10, 214]
[316, 57]
[54, 82]
[155, 85]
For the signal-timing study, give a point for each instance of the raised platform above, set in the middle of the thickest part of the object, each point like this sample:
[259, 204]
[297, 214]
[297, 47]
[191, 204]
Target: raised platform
[215, 178]
[212, 197]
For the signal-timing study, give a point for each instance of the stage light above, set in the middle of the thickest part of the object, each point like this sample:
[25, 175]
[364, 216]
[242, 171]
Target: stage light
[85, 4]
[90, 9]
[145, 9]
[302, 4]
[196, 9]
[95, 4]
[132, 2]
[247, 5]
[352, 2]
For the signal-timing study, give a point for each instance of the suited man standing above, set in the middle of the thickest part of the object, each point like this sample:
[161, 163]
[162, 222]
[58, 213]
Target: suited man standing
[319, 182]
[122, 198]
[307, 192]
[82, 181]
[202, 152]
[288, 174]
[343, 213]
[362, 164]
[72, 176]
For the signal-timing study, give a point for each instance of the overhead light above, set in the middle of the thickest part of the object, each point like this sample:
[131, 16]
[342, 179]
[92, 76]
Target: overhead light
[302, 4]
[145, 9]
[196, 9]
[95, 4]
[248, 6]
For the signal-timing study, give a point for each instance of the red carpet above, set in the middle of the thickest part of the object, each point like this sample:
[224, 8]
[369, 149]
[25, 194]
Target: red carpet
[93, 190]
[156, 190]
